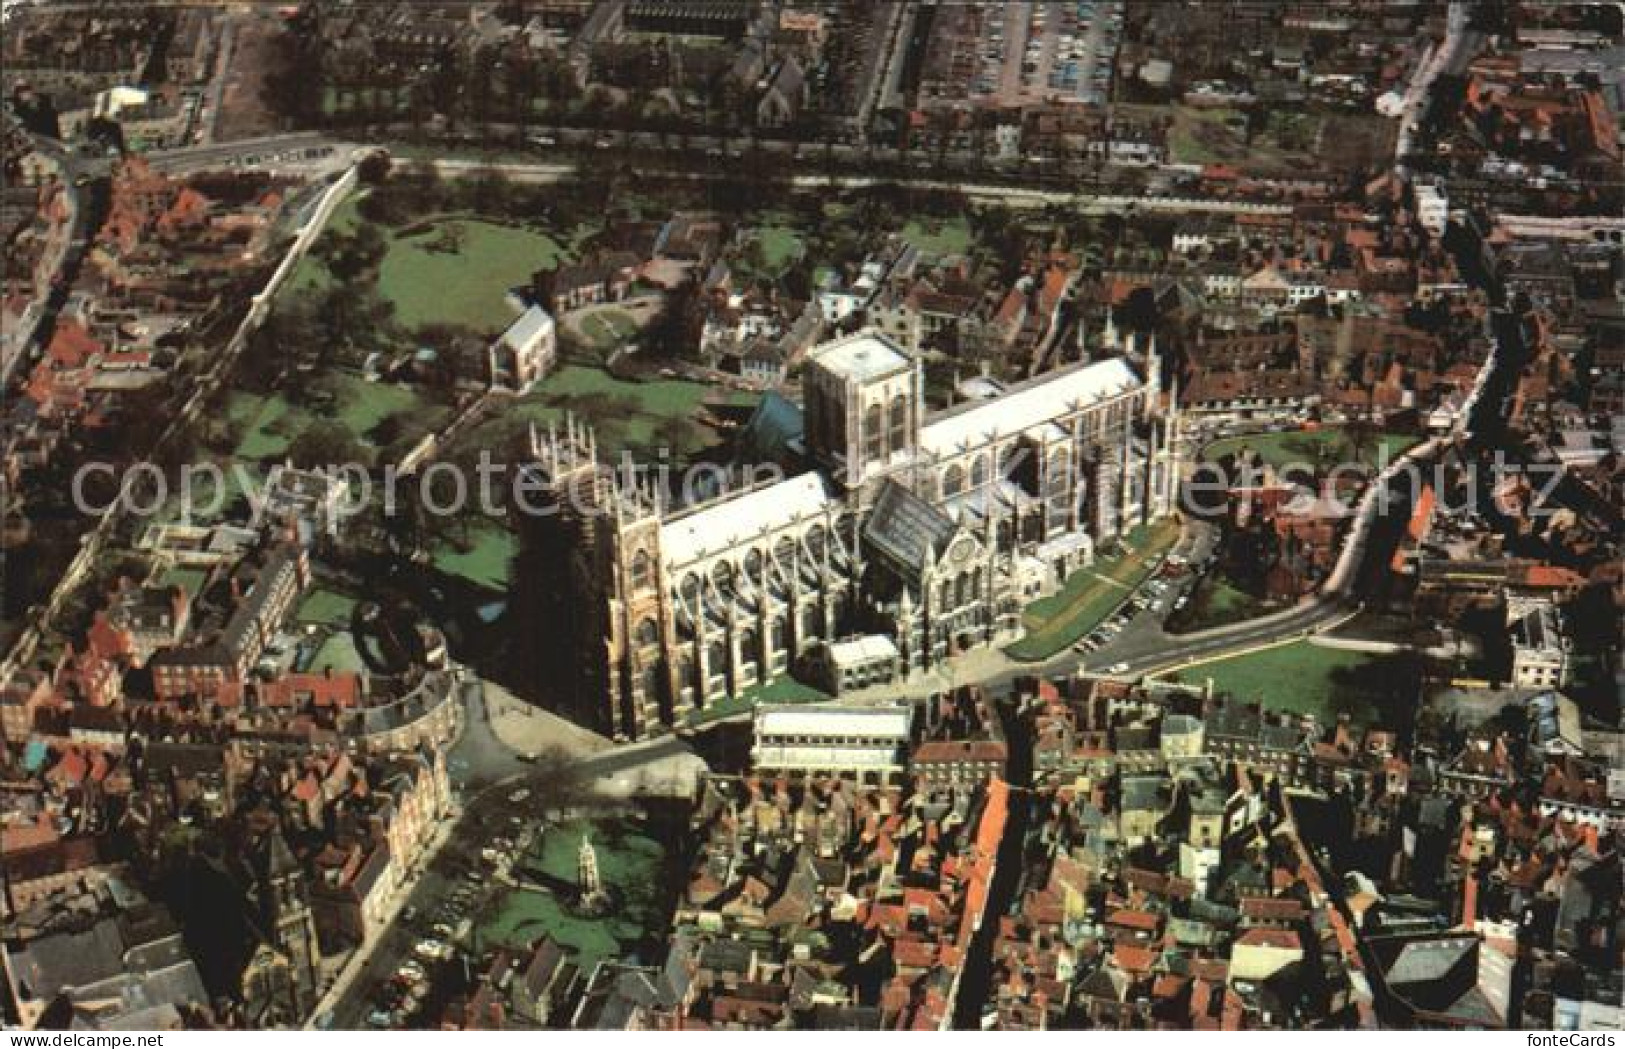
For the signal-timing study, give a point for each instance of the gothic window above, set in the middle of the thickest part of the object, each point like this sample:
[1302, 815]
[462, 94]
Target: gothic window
[779, 635]
[953, 481]
[651, 682]
[962, 590]
[642, 570]
[749, 647]
[874, 433]
[1055, 476]
[784, 552]
[753, 566]
[691, 588]
[812, 625]
[978, 472]
[648, 633]
[722, 577]
[716, 658]
[945, 595]
[899, 423]
[816, 537]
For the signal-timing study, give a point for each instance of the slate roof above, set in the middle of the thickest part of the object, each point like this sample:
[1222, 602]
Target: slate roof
[906, 529]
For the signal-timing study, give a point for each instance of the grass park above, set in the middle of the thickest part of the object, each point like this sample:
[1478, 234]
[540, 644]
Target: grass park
[629, 862]
[1298, 678]
[271, 423]
[454, 270]
[482, 557]
[324, 607]
[459, 271]
[939, 236]
[1312, 447]
[1091, 594]
[632, 415]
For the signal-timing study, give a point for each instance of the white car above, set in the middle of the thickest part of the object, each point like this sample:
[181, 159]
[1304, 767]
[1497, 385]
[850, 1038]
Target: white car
[1117, 668]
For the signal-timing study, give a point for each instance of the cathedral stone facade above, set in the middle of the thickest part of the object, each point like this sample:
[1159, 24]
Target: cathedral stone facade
[931, 528]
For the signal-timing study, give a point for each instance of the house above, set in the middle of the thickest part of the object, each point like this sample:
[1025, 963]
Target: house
[603, 276]
[546, 987]
[1540, 652]
[525, 352]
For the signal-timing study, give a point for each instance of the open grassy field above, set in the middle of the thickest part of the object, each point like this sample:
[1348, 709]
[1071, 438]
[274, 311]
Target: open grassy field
[780, 246]
[1090, 594]
[1286, 142]
[628, 415]
[1299, 678]
[337, 653]
[468, 286]
[484, 560]
[608, 328]
[939, 236]
[325, 607]
[188, 579]
[1311, 447]
[629, 862]
[271, 424]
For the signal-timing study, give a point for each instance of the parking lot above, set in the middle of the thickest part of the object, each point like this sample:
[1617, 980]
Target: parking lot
[1010, 54]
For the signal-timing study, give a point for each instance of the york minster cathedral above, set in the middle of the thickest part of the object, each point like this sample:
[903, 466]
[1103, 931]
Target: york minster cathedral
[932, 529]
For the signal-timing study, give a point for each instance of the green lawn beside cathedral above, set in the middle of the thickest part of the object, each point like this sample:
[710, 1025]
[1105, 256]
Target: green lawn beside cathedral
[1090, 594]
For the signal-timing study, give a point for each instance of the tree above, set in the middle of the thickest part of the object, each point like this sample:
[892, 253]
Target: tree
[324, 443]
[374, 168]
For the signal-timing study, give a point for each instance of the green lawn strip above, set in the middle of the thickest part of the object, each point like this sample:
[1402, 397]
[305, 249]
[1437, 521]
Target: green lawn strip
[782, 689]
[483, 560]
[1089, 595]
[468, 286]
[270, 425]
[1216, 602]
[311, 273]
[1296, 678]
[362, 405]
[780, 247]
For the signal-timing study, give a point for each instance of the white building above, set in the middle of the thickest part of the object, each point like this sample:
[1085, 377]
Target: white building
[1432, 207]
[870, 743]
[858, 663]
[525, 352]
[1540, 652]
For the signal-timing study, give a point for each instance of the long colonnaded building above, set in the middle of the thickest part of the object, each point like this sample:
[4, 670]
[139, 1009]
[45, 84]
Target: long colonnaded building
[933, 529]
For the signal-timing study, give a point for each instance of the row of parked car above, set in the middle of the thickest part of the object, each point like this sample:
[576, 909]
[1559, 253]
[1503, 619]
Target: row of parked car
[1162, 591]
